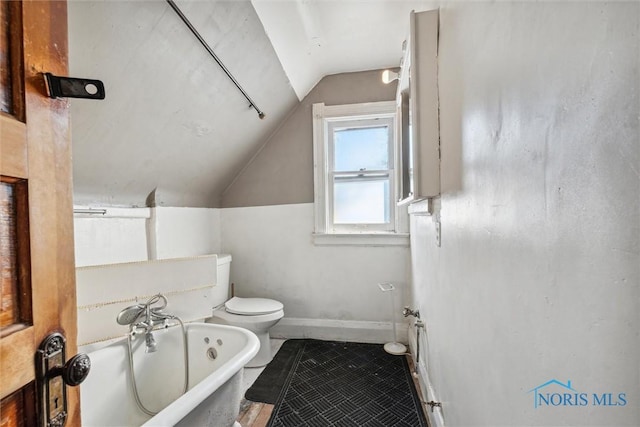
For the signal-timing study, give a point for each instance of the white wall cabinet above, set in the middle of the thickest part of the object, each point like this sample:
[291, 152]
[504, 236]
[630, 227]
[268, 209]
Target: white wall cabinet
[417, 99]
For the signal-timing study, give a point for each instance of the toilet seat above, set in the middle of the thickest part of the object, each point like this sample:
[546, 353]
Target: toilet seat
[252, 306]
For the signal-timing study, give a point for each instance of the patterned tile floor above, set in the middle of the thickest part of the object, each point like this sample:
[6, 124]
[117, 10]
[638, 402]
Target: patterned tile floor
[348, 384]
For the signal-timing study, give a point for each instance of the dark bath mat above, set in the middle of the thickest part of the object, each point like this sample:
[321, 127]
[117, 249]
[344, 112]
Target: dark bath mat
[346, 384]
[271, 382]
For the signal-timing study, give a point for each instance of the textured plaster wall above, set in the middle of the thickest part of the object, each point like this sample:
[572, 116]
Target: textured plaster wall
[538, 274]
[274, 257]
[282, 171]
[100, 240]
[142, 234]
[180, 232]
[273, 252]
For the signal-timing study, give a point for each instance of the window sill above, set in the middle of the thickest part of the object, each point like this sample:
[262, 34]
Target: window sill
[364, 239]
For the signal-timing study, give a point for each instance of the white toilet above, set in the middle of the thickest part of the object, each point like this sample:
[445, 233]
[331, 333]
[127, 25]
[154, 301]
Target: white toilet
[255, 314]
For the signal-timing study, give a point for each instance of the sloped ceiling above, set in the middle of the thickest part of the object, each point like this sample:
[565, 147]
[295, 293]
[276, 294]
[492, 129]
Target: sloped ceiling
[173, 129]
[316, 38]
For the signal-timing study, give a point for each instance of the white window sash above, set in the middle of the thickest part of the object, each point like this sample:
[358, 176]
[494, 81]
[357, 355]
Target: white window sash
[381, 175]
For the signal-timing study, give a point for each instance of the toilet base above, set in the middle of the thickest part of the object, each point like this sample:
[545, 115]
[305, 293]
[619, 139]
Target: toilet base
[264, 354]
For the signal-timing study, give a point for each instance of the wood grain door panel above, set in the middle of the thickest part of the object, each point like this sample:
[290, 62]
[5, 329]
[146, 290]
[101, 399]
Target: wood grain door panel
[35, 165]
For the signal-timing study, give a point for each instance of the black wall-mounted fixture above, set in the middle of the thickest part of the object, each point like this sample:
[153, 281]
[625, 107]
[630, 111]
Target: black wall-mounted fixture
[71, 87]
[215, 57]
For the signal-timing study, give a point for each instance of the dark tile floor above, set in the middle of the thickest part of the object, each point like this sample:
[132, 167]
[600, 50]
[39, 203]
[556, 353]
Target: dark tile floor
[347, 384]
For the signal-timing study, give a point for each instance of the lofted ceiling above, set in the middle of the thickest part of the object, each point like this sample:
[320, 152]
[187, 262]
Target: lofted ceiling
[173, 129]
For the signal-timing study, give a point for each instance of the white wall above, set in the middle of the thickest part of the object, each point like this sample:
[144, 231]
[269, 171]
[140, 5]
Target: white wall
[180, 232]
[538, 274]
[329, 292]
[140, 234]
[118, 236]
[274, 257]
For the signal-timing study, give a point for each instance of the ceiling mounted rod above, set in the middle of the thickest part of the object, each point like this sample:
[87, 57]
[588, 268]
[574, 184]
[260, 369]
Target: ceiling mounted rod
[212, 53]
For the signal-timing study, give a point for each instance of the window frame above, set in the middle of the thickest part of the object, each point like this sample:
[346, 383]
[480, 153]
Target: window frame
[326, 232]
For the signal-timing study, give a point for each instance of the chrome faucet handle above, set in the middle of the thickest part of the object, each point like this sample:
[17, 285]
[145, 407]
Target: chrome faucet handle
[137, 328]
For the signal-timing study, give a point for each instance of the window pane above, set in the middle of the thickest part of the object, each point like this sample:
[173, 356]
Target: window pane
[361, 148]
[361, 202]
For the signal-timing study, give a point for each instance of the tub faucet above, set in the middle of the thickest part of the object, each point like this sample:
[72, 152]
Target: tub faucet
[150, 343]
[409, 312]
[145, 317]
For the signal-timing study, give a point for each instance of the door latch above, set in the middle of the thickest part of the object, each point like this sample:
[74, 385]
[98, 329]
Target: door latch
[52, 376]
[72, 87]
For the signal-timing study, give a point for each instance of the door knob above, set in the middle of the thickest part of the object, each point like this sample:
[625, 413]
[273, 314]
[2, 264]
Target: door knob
[52, 377]
[76, 369]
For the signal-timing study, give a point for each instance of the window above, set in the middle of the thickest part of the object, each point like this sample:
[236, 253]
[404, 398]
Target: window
[355, 152]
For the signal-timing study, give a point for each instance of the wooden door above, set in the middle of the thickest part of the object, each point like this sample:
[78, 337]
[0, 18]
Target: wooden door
[36, 208]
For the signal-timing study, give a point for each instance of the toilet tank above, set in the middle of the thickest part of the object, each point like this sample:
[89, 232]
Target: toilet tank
[220, 292]
[224, 268]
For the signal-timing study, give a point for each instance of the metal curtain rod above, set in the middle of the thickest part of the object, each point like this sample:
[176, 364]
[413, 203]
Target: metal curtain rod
[212, 53]
[89, 211]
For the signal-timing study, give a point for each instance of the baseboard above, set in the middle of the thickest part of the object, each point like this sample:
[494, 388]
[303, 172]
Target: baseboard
[338, 330]
[427, 391]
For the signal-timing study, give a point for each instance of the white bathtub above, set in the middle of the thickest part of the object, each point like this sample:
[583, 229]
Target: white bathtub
[214, 394]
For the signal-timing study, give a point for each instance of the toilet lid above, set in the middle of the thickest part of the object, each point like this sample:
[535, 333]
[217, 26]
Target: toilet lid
[252, 306]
